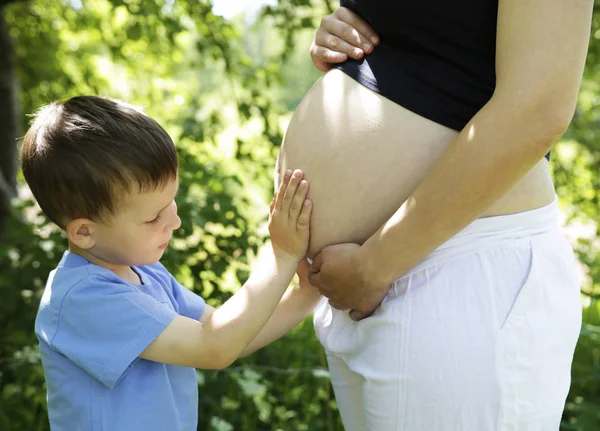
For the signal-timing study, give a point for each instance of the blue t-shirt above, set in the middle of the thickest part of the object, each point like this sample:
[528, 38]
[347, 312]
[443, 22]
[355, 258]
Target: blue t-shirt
[92, 325]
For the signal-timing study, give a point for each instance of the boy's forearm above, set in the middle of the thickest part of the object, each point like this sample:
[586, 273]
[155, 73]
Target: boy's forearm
[237, 322]
[297, 304]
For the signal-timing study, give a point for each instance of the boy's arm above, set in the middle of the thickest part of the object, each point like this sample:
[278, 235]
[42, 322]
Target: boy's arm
[297, 303]
[216, 341]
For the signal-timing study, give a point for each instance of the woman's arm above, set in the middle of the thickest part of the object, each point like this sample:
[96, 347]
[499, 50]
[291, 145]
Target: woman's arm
[541, 50]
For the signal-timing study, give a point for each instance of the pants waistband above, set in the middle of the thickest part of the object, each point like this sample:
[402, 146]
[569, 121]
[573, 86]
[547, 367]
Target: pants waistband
[488, 232]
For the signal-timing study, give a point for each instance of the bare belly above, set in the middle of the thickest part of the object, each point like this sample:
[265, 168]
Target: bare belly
[364, 155]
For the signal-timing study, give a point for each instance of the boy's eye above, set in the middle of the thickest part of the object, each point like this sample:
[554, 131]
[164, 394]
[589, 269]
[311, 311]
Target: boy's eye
[156, 220]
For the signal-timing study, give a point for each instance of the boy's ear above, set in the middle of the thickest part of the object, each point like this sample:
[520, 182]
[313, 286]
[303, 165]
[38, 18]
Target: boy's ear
[81, 233]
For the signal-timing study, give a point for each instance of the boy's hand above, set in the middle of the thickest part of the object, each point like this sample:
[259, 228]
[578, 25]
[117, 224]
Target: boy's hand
[303, 271]
[289, 216]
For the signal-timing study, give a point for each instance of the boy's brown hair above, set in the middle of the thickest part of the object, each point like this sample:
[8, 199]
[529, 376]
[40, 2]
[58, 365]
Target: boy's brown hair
[82, 156]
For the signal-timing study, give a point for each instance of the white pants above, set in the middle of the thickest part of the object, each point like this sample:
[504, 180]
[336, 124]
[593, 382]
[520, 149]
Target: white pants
[477, 337]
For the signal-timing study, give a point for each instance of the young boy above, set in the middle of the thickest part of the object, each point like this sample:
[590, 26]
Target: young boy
[119, 337]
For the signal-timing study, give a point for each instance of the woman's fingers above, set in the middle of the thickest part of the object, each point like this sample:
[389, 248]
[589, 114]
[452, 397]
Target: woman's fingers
[341, 35]
[334, 47]
[355, 22]
[338, 305]
[323, 58]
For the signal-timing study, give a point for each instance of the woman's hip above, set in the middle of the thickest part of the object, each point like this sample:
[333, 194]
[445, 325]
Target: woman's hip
[503, 285]
[488, 321]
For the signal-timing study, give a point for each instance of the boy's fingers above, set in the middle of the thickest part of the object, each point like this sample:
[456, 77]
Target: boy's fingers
[282, 188]
[302, 270]
[304, 218]
[290, 191]
[298, 200]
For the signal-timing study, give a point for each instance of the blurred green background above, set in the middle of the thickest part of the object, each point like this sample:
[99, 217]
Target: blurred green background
[224, 85]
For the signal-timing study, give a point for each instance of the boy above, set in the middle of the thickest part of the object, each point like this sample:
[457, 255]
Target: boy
[119, 337]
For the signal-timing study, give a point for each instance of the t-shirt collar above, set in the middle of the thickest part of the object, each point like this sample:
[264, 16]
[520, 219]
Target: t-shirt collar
[73, 260]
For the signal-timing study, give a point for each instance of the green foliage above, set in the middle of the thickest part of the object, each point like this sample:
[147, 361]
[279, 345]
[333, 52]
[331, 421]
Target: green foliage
[190, 70]
[577, 177]
[26, 257]
[222, 89]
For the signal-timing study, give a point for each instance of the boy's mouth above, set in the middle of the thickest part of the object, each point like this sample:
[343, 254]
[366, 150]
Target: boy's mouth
[163, 246]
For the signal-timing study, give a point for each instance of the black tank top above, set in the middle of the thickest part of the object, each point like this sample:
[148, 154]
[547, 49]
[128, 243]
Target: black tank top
[436, 58]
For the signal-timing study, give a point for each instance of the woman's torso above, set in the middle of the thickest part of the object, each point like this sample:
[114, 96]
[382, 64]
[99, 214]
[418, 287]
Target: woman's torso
[364, 155]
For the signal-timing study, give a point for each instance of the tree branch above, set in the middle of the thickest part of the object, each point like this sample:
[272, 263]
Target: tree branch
[9, 129]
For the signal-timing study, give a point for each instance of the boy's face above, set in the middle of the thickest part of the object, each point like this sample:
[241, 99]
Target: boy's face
[139, 233]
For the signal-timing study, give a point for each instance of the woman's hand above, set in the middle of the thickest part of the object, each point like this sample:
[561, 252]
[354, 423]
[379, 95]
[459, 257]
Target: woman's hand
[339, 273]
[341, 35]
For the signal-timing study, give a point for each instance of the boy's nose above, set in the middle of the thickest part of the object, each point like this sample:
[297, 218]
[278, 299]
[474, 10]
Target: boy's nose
[177, 223]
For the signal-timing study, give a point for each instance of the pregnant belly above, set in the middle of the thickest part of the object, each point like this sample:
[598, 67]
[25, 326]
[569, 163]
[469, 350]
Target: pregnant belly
[363, 156]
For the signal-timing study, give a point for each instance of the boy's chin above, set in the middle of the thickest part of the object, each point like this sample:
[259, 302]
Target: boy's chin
[149, 259]
[159, 254]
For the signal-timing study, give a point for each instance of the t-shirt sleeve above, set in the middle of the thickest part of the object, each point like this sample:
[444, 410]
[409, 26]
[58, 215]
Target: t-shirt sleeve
[104, 325]
[190, 304]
